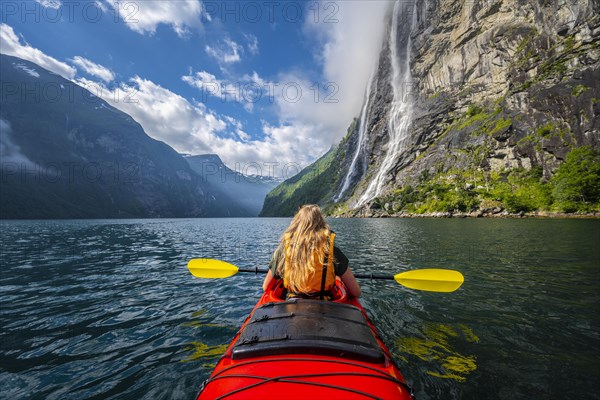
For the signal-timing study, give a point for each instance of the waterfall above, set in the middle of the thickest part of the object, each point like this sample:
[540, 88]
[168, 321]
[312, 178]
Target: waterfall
[362, 139]
[401, 108]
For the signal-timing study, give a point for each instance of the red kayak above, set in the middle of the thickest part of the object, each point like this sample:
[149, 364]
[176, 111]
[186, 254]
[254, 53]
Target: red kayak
[306, 349]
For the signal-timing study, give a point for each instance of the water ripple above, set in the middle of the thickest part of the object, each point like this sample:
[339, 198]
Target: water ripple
[108, 310]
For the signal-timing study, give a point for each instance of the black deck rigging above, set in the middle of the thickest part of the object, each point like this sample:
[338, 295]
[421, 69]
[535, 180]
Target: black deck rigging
[302, 326]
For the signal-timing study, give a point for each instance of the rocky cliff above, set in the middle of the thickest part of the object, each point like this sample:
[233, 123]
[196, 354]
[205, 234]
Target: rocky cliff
[474, 106]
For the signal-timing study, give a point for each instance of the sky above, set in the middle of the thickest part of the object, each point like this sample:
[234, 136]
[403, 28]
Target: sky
[266, 85]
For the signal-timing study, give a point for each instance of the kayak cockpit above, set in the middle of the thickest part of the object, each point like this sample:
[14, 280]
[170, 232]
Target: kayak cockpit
[277, 292]
[301, 326]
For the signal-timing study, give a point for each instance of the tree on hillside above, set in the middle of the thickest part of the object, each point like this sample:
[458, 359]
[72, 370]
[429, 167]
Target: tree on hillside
[577, 180]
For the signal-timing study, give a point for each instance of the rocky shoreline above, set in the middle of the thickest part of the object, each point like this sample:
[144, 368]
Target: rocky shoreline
[474, 214]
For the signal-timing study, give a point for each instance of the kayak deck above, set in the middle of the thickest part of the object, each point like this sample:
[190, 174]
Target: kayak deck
[301, 326]
[304, 348]
[303, 377]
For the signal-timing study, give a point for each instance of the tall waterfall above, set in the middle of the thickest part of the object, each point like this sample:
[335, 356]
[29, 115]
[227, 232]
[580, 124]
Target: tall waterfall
[362, 139]
[400, 112]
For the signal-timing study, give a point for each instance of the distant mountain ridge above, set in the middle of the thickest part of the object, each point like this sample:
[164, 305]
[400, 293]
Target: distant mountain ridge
[65, 153]
[241, 192]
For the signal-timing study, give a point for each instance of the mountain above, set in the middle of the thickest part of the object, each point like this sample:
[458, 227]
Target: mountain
[236, 194]
[66, 153]
[474, 106]
[317, 181]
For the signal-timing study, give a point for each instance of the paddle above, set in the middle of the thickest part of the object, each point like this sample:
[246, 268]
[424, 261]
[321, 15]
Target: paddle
[432, 280]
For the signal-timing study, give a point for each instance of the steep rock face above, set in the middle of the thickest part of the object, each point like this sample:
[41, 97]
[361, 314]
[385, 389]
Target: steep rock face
[495, 86]
[525, 65]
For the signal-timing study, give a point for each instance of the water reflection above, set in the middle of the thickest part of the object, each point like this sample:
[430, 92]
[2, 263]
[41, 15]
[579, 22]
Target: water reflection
[202, 351]
[437, 351]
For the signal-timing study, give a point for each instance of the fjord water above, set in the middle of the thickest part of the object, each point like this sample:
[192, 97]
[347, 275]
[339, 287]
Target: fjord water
[107, 309]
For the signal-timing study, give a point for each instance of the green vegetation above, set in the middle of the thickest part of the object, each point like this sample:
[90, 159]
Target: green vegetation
[579, 89]
[474, 115]
[569, 42]
[311, 185]
[552, 68]
[474, 110]
[521, 190]
[435, 95]
[545, 130]
[501, 124]
[315, 184]
[574, 187]
[482, 119]
[551, 63]
[526, 52]
[576, 184]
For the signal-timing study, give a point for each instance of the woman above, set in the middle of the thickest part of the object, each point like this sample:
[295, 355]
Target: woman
[307, 258]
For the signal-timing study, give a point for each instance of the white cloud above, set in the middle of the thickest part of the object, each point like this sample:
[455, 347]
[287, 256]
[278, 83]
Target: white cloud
[248, 90]
[243, 135]
[192, 128]
[252, 43]
[347, 53]
[12, 46]
[209, 85]
[145, 16]
[100, 5]
[9, 151]
[94, 69]
[239, 128]
[310, 118]
[227, 52]
[165, 115]
[54, 4]
[300, 142]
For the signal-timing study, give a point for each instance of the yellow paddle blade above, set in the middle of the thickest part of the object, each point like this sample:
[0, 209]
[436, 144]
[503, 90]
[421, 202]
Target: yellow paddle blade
[208, 268]
[432, 280]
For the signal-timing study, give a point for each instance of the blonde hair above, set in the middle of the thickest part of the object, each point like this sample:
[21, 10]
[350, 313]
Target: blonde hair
[308, 234]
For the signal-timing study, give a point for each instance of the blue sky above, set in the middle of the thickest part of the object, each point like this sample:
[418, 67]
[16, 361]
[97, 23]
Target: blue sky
[254, 82]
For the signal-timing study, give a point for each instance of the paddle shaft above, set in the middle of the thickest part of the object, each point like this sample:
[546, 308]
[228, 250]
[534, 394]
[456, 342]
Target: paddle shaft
[257, 270]
[375, 276]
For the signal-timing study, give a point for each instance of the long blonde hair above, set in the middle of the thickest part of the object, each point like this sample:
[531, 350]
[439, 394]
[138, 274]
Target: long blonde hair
[308, 232]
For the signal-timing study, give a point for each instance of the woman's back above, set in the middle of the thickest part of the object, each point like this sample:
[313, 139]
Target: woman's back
[307, 259]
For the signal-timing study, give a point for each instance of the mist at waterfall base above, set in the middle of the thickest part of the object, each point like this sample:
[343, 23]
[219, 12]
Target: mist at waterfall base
[107, 309]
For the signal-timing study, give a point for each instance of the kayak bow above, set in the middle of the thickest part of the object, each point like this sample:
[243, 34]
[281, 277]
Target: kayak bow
[306, 349]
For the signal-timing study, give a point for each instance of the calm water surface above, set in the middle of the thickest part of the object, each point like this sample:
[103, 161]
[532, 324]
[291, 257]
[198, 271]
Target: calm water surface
[107, 309]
